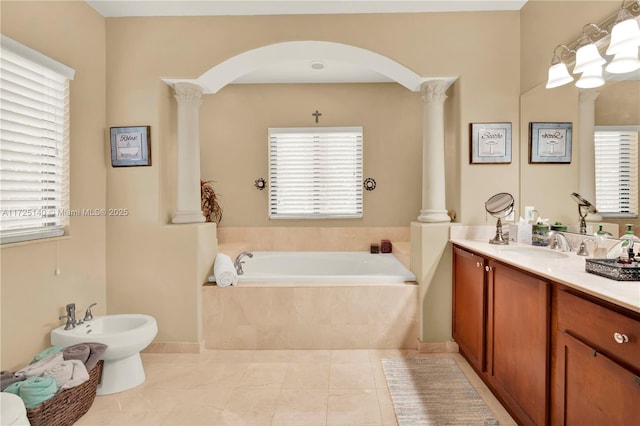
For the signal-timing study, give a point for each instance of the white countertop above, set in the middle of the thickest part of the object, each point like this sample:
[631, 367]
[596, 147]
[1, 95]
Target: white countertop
[569, 270]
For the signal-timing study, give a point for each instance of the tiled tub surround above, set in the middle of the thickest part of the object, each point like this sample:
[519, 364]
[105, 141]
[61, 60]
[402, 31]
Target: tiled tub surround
[299, 316]
[308, 316]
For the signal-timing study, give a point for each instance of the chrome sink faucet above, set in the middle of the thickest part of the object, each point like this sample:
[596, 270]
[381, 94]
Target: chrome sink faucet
[70, 317]
[238, 262]
[558, 241]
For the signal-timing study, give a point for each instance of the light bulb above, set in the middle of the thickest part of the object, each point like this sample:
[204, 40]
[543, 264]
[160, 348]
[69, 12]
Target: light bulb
[625, 34]
[624, 61]
[591, 77]
[558, 76]
[587, 57]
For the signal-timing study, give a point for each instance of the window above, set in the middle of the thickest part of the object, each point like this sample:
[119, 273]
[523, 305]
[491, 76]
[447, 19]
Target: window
[616, 152]
[34, 144]
[315, 173]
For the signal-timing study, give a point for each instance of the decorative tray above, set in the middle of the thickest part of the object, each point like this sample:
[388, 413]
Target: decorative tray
[610, 268]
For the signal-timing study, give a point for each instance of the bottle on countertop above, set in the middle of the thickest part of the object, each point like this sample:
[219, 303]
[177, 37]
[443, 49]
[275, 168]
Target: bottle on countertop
[600, 244]
[629, 240]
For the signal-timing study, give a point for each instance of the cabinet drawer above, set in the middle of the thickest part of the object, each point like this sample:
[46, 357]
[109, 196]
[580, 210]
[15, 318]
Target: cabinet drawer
[599, 327]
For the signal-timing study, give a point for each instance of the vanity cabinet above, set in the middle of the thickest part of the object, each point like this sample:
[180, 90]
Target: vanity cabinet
[469, 305]
[596, 372]
[551, 354]
[501, 324]
[518, 341]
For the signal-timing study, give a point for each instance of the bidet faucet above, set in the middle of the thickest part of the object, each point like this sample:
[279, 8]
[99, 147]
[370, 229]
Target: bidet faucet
[238, 262]
[71, 313]
[88, 315]
[559, 241]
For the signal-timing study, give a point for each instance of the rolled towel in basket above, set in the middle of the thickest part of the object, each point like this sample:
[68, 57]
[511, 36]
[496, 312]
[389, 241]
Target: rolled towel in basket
[46, 353]
[224, 271]
[79, 374]
[8, 377]
[80, 351]
[36, 390]
[68, 374]
[97, 349]
[37, 368]
[89, 353]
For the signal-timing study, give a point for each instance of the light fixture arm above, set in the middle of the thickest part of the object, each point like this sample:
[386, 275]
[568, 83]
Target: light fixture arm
[557, 58]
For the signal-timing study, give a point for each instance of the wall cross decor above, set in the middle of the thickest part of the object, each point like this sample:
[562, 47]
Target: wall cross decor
[316, 115]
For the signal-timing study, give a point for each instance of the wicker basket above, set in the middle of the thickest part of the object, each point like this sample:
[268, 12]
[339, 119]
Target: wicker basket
[66, 407]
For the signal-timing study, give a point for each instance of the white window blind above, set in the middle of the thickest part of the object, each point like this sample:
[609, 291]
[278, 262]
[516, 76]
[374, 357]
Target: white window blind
[34, 144]
[616, 152]
[315, 173]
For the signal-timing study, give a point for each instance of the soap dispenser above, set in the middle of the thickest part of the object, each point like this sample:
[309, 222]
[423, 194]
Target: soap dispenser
[629, 240]
[600, 244]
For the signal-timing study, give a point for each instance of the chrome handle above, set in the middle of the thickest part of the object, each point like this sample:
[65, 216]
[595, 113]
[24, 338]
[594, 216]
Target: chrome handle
[478, 265]
[88, 315]
[620, 338]
[487, 268]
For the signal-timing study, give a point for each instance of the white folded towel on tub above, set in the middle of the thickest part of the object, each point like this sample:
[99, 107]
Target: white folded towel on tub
[224, 271]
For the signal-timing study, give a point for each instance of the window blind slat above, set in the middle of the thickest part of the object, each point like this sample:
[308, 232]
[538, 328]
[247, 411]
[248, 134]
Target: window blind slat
[315, 173]
[616, 153]
[34, 142]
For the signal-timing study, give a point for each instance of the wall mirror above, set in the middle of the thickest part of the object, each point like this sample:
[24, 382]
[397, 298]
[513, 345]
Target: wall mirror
[549, 187]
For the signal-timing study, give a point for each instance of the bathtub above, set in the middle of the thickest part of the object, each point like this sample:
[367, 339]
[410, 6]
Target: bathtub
[323, 267]
[314, 300]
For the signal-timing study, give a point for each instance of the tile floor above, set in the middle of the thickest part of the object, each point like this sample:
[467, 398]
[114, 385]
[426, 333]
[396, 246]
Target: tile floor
[265, 387]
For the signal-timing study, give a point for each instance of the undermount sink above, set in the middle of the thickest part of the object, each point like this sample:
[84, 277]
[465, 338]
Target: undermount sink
[535, 252]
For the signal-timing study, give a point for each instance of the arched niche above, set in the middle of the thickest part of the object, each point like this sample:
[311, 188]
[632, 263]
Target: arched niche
[253, 60]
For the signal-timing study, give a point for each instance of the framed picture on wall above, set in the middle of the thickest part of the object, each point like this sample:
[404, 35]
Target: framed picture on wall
[131, 146]
[550, 143]
[490, 143]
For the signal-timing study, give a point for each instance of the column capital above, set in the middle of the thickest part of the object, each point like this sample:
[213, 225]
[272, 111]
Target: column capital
[188, 93]
[587, 95]
[434, 91]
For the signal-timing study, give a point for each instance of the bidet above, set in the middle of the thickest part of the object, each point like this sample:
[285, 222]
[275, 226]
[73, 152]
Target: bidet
[125, 335]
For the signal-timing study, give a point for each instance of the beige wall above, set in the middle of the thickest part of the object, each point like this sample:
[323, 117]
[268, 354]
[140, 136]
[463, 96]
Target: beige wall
[234, 145]
[142, 50]
[32, 295]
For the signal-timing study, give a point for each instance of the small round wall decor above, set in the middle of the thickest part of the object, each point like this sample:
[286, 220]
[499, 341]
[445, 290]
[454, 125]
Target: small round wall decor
[369, 184]
[260, 183]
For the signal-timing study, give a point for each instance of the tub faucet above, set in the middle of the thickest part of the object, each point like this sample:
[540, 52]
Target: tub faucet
[559, 241]
[238, 262]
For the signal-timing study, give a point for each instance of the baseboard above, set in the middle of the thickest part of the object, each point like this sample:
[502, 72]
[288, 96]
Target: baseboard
[437, 347]
[174, 348]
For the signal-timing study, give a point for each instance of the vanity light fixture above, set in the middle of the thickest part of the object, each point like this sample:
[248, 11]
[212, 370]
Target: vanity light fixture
[624, 41]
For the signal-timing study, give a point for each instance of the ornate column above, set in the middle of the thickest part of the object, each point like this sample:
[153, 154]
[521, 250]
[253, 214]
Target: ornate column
[586, 149]
[189, 99]
[433, 184]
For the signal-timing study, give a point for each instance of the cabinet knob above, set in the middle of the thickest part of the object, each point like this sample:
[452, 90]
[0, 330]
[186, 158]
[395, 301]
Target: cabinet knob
[478, 265]
[487, 268]
[620, 338]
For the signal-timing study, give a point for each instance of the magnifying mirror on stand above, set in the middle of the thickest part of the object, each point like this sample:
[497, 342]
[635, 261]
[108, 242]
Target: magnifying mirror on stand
[584, 208]
[499, 206]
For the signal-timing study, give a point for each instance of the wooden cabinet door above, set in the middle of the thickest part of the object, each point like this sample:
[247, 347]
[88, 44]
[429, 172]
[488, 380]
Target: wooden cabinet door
[469, 295]
[591, 389]
[518, 341]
